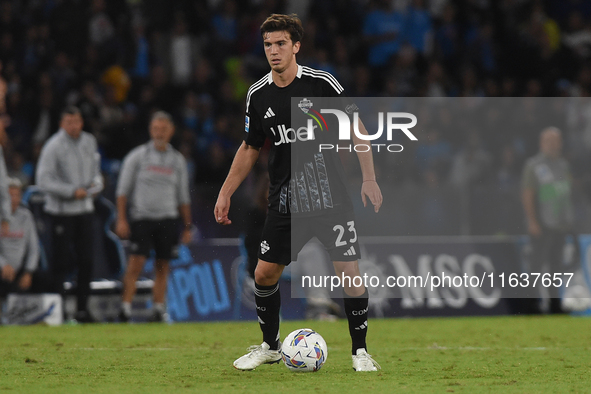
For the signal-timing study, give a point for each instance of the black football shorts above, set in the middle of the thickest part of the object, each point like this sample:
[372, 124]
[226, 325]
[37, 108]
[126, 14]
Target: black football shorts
[284, 236]
[160, 235]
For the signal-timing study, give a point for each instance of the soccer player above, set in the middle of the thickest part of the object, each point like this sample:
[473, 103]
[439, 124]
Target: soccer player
[155, 182]
[292, 221]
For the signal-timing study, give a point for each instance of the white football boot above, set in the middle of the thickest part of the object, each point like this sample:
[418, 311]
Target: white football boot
[362, 362]
[257, 355]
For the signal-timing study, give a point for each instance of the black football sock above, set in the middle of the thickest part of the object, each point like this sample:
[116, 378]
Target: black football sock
[268, 300]
[356, 309]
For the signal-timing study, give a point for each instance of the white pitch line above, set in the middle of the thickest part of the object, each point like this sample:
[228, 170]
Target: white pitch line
[480, 348]
[117, 348]
[128, 348]
[470, 348]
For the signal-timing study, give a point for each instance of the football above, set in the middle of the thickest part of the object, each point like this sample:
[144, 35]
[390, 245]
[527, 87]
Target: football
[304, 350]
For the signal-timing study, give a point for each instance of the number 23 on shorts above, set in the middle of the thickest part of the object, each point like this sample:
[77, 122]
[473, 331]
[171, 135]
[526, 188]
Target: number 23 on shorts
[341, 232]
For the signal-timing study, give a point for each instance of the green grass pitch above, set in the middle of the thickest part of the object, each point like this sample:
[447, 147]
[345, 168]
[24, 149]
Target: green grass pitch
[435, 355]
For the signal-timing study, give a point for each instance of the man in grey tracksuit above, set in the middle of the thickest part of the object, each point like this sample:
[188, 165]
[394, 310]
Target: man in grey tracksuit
[19, 247]
[154, 181]
[68, 171]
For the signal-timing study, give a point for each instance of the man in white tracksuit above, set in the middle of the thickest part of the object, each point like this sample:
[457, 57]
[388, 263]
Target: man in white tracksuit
[154, 181]
[68, 172]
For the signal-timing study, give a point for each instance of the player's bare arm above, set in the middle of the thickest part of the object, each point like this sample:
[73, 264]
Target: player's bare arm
[245, 158]
[369, 187]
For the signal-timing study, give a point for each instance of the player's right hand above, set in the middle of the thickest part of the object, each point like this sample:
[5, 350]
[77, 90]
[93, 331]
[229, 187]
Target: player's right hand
[371, 190]
[122, 229]
[222, 207]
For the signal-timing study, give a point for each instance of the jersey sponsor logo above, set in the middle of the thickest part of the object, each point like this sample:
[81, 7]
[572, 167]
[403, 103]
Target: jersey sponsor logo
[247, 123]
[269, 113]
[290, 135]
[264, 247]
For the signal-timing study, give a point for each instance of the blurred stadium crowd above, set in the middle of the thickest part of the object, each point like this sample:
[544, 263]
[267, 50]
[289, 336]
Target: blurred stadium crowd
[120, 61]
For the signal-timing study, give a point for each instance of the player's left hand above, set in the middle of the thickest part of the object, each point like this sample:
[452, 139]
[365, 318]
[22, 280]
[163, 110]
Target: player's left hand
[371, 190]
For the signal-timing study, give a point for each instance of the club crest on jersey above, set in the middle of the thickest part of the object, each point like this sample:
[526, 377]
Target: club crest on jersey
[306, 106]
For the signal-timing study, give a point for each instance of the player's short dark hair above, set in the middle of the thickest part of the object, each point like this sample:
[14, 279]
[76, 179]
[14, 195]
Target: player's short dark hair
[71, 110]
[280, 22]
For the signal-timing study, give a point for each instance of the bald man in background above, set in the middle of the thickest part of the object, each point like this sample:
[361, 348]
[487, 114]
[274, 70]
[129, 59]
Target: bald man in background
[154, 183]
[547, 201]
